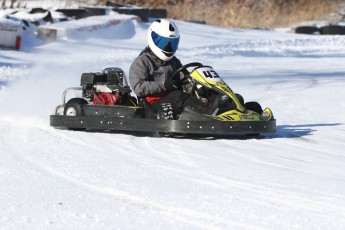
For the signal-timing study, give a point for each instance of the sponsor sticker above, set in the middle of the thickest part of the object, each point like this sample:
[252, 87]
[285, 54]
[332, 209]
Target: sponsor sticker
[246, 117]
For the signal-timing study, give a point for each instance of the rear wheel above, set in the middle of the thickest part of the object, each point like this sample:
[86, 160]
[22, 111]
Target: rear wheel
[74, 107]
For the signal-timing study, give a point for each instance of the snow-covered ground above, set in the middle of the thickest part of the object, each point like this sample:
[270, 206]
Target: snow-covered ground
[292, 179]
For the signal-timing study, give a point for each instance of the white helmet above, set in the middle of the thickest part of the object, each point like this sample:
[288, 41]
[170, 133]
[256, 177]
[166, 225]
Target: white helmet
[163, 39]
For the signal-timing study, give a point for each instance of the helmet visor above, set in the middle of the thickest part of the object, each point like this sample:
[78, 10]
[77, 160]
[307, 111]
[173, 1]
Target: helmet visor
[167, 44]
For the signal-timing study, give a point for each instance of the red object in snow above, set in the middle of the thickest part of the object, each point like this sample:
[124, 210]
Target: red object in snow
[18, 42]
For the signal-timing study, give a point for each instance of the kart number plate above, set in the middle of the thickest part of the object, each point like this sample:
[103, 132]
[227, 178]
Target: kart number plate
[209, 74]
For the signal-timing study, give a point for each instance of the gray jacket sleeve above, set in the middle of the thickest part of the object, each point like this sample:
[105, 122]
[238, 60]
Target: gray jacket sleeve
[141, 77]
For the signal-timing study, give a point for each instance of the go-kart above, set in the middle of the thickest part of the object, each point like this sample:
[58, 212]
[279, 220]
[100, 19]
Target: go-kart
[107, 103]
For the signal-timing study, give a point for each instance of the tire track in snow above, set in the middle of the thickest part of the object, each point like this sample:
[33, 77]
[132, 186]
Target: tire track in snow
[260, 193]
[171, 158]
[177, 212]
[190, 216]
[193, 217]
[257, 195]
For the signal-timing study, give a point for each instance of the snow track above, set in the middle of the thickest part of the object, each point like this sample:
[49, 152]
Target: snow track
[291, 179]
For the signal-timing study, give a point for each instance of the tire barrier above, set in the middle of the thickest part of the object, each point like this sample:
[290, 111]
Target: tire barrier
[307, 30]
[196, 21]
[143, 13]
[84, 12]
[75, 13]
[332, 30]
[324, 30]
[96, 11]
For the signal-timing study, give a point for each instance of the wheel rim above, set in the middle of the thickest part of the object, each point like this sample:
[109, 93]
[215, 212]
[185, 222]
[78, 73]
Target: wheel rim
[71, 112]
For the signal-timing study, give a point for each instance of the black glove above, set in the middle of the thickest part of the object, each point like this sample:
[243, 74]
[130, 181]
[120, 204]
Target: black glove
[175, 84]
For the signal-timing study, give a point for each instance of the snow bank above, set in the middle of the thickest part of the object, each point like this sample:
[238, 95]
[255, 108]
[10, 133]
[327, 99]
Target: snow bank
[9, 24]
[57, 30]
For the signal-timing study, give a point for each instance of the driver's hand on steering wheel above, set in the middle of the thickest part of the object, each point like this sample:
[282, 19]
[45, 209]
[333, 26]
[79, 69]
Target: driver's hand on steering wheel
[171, 85]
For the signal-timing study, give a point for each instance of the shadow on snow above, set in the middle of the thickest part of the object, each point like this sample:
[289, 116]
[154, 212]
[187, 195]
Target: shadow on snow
[282, 131]
[296, 131]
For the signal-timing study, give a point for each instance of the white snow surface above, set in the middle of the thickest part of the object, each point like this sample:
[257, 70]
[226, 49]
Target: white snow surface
[292, 179]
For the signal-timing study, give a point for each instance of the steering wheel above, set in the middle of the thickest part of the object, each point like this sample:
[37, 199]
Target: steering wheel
[184, 69]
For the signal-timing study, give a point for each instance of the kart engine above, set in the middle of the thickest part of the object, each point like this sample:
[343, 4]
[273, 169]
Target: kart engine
[108, 87]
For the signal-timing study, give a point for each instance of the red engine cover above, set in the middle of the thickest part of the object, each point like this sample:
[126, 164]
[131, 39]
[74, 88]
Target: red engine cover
[106, 99]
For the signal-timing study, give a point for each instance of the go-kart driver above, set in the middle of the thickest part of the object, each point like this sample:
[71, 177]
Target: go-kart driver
[150, 74]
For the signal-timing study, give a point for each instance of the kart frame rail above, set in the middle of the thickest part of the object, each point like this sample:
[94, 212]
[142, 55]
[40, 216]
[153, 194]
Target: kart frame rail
[171, 126]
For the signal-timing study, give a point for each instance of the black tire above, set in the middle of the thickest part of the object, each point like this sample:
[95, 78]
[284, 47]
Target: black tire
[333, 30]
[307, 30]
[74, 107]
[253, 106]
[256, 107]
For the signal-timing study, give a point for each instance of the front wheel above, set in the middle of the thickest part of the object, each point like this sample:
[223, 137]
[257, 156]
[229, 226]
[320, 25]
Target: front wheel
[74, 107]
[256, 107]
